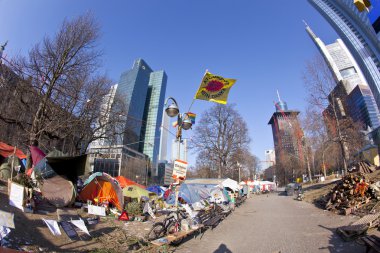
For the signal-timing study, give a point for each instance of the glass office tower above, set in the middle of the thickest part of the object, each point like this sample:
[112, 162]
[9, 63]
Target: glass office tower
[151, 131]
[143, 92]
[355, 29]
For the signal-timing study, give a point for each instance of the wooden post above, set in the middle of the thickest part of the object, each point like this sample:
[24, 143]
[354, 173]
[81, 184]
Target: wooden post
[13, 161]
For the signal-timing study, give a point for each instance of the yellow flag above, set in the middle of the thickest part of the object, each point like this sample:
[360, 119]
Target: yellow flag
[214, 88]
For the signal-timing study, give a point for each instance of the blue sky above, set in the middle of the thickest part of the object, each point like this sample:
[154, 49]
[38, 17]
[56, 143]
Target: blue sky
[262, 44]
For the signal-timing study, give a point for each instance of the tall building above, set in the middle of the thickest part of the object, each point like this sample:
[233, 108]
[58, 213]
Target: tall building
[270, 158]
[361, 105]
[363, 108]
[164, 137]
[287, 133]
[105, 110]
[153, 114]
[340, 61]
[355, 29]
[183, 150]
[144, 93]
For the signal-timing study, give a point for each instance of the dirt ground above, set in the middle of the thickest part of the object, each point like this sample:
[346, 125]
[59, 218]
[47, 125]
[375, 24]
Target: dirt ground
[109, 235]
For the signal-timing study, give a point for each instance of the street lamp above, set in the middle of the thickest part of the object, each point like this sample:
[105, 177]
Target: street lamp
[183, 121]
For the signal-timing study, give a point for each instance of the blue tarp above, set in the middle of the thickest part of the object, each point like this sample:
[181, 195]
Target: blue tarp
[191, 193]
[156, 189]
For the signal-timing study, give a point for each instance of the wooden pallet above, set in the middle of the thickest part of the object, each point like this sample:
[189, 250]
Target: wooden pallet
[359, 227]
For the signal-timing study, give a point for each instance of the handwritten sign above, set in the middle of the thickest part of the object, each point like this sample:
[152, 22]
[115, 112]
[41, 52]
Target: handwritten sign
[16, 196]
[179, 170]
[97, 210]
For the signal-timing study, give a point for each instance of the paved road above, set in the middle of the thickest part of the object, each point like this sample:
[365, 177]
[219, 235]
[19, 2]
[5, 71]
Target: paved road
[274, 223]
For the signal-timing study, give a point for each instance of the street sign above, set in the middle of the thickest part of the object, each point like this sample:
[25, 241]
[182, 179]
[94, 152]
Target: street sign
[179, 170]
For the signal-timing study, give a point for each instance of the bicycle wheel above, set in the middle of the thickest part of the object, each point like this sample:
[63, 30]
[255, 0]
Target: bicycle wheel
[157, 231]
[173, 228]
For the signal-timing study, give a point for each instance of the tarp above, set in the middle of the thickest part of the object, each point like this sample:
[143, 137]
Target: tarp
[102, 187]
[36, 154]
[191, 193]
[232, 184]
[58, 191]
[136, 192]
[124, 182]
[156, 189]
[69, 166]
[7, 150]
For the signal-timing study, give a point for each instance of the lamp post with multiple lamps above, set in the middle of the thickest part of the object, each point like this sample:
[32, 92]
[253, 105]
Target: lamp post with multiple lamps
[183, 122]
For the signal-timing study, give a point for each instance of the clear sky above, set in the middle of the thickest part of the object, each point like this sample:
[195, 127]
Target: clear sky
[262, 44]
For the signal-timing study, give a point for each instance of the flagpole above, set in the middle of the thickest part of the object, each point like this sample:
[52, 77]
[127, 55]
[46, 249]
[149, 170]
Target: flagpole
[192, 102]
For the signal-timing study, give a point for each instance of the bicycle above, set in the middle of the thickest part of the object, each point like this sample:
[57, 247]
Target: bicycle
[170, 225]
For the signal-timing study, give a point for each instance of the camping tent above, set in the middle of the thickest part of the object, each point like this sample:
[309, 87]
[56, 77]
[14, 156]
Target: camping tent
[232, 184]
[124, 182]
[156, 189]
[7, 150]
[58, 191]
[102, 187]
[136, 192]
[191, 193]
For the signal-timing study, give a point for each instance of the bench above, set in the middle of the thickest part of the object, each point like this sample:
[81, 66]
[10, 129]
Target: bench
[209, 218]
[372, 243]
[223, 210]
[239, 201]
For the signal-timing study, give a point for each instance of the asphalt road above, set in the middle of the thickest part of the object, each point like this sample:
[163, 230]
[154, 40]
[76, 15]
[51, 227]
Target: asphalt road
[275, 223]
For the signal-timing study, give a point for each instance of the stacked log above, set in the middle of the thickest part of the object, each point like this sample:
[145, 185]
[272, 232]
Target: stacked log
[349, 194]
[363, 167]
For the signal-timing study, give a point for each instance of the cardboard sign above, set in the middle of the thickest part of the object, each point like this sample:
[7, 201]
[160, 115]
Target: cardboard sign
[97, 210]
[179, 170]
[7, 219]
[16, 196]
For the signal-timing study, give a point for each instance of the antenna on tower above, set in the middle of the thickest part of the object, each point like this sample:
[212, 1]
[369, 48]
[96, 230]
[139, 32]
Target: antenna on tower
[305, 22]
[278, 95]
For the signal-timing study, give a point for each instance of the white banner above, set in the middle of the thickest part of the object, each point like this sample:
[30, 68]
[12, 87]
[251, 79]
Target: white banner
[16, 196]
[80, 224]
[53, 226]
[97, 210]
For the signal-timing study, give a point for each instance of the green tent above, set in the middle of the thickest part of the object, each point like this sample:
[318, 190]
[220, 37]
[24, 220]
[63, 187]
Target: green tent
[135, 192]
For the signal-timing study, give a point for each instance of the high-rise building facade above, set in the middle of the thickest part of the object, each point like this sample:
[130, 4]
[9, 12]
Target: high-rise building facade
[287, 133]
[163, 153]
[144, 93]
[270, 158]
[355, 29]
[361, 105]
[363, 108]
[151, 130]
[182, 150]
[340, 61]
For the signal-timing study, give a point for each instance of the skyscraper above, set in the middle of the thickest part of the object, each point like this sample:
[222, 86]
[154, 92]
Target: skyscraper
[287, 133]
[144, 93]
[361, 105]
[164, 137]
[355, 29]
[340, 61]
[151, 130]
[183, 150]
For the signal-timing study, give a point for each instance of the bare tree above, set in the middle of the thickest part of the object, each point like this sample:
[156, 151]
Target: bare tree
[59, 88]
[221, 133]
[326, 100]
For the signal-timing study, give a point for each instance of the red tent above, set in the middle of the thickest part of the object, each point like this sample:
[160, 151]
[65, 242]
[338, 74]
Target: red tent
[123, 181]
[7, 150]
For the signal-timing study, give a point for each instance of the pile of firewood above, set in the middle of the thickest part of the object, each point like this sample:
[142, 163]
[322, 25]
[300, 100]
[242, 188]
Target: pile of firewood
[349, 194]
